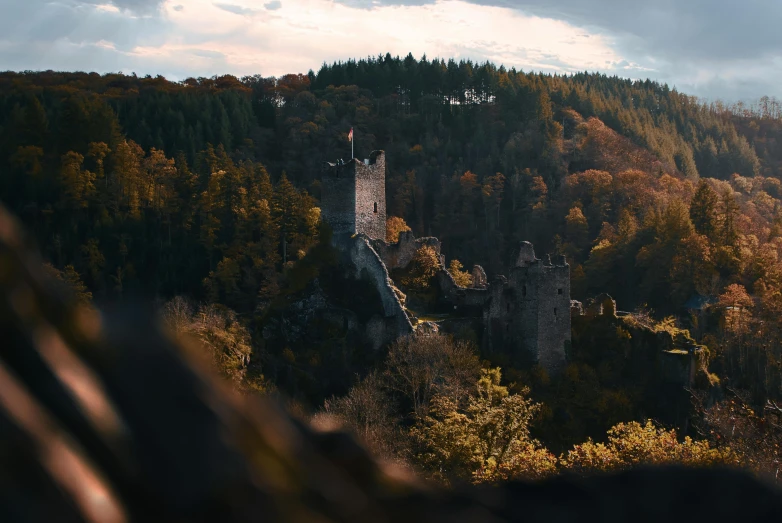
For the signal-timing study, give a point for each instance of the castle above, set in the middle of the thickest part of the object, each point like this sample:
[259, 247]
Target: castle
[526, 315]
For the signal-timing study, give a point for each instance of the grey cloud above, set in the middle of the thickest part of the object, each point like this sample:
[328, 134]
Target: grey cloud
[734, 43]
[669, 36]
[36, 34]
[69, 57]
[371, 4]
[527, 59]
[697, 29]
[178, 7]
[235, 9]
[138, 6]
[32, 21]
[206, 53]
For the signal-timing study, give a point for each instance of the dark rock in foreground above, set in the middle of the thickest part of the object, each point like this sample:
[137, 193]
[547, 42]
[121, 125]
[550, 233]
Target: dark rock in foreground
[104, 418]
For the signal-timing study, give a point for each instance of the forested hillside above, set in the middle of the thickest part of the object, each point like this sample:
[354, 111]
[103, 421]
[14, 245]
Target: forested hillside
[208, 188]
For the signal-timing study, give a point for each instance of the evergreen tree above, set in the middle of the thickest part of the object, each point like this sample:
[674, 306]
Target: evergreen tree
[703, 210]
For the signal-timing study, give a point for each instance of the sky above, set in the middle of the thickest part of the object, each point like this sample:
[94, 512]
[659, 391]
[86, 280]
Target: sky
[715, 49]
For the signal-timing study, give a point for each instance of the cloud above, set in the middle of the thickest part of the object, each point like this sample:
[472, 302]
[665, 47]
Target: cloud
[27, 22]
[714, 48]
[682, 41]
[695, 29]
[236, 9]
[139, 6]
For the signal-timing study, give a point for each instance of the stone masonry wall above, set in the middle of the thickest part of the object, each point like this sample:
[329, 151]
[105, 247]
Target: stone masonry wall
[338, 199]
[553, 315]
[371, 196]
[529, 314]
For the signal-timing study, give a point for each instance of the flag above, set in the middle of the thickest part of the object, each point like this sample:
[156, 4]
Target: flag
[350, 135]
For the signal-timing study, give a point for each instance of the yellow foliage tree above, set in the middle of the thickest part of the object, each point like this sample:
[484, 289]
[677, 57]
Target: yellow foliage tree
[394, 226]
[423, 268]
[226, 341]
[462, 278]
[632, 444]
[487, 440]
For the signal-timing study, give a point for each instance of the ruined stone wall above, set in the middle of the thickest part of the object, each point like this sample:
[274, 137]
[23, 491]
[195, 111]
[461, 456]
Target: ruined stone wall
[338, 199]
[399, 255]
[529, 316]
[460, 300]
[370, 196]
[479, 279]
[497, 324]
[366, 264]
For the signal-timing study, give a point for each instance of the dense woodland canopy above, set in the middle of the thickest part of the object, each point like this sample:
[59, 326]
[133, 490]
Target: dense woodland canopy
[208, 188]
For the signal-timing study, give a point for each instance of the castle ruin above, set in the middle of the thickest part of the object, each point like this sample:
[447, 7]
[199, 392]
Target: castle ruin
[526, 315]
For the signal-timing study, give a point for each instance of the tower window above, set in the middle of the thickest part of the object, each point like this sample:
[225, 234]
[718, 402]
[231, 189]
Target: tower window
[524, 290]
[508, 307]
[555, 312]
[559, 291]
[375, 207]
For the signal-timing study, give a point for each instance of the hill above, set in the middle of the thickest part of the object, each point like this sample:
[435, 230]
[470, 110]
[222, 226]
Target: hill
[209, 187]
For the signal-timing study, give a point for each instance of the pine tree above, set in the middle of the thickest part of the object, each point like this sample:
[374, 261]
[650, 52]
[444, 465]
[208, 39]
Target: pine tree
[729, 234]
[703, 210]
[285, 206]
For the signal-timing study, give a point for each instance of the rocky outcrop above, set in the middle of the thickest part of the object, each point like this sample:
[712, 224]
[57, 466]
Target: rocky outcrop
[365, 263]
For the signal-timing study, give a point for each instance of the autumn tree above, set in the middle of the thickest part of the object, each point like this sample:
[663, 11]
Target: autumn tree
[394, 226]
[462, 278]
[420, 366]
[752, 431]
[486, 440]
[634, 444]
[576, 232]
[422, 269]
[368, 412]
[78, 183]
[225, 340]
[71, 281]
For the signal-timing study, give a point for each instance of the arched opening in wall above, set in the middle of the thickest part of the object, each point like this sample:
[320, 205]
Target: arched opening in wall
[375, 207]
[524, 290]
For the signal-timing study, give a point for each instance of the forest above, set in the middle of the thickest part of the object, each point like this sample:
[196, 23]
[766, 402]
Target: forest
[202, 197]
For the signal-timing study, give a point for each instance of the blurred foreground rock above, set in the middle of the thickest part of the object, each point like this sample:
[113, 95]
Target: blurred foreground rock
[104, 418]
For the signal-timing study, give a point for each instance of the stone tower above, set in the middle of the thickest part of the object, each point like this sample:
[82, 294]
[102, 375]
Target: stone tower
[354, 197]
[529, 313]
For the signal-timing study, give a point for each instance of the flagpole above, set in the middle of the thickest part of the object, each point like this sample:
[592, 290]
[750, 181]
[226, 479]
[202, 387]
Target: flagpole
[352, 141]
